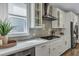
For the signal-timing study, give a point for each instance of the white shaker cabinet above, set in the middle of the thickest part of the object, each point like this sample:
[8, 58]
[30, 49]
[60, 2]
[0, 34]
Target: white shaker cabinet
[57, 47]
[55, 22]
[54, 12]
[59, 23]
[42, 50]
[61, 18]
[36, 15]
[54, 47]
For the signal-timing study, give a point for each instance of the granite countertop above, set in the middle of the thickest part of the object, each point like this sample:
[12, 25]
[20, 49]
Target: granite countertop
[22, 45]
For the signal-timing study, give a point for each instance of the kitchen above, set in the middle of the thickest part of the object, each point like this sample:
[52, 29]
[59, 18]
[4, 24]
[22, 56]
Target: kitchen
[40, 29]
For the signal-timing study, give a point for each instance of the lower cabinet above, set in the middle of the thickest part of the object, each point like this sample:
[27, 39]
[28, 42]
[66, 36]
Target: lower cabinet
[42, 50]
[67, 44]
[55, 48]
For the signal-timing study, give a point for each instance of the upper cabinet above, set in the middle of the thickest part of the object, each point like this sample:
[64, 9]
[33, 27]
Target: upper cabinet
[36, 15]
[48, 12]
[61, 18]
[59, 23]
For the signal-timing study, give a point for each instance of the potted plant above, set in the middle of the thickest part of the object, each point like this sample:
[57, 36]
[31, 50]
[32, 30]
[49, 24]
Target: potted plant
[5, 28]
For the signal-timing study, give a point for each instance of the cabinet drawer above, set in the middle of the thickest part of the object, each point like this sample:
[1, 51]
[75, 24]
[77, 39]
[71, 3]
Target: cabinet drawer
[55, 42]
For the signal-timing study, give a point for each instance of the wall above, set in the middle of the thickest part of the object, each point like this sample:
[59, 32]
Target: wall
[3, 10]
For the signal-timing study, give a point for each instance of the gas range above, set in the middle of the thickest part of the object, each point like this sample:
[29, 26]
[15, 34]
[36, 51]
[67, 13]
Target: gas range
[50, 37]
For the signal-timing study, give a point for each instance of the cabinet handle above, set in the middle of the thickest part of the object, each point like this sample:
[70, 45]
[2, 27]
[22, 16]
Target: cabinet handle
[49, 51]
[43, 46]
[65, 42]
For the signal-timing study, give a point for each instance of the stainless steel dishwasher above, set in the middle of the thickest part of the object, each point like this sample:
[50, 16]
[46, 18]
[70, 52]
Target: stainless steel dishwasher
[28, 52]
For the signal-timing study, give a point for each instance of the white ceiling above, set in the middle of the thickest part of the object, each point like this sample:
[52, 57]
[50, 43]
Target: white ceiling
[68, 6]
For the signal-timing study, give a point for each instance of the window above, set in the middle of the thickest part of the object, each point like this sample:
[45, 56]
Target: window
[17, 16]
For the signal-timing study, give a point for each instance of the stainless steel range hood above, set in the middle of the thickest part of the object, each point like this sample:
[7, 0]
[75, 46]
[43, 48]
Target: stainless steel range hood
[46, 16]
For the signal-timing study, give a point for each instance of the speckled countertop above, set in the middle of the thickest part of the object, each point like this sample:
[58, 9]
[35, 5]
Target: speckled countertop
[22, 45]
[25, 44]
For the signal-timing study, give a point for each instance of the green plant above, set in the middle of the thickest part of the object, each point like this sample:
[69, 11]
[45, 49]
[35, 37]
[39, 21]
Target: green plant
[5, 27]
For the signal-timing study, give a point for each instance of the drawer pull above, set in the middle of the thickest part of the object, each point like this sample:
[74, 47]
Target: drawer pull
[65, 42]
[43, 46]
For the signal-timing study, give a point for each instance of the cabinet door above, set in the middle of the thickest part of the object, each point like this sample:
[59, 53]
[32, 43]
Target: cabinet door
[54, 51]
[54, 11]
[57, 48]
[42, 50]
[61, 18]
[56, 23]
[36, 15]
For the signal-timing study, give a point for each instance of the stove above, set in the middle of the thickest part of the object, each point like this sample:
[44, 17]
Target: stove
[50, 37]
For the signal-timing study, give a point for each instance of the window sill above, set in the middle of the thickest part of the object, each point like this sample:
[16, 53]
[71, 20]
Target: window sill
[18, 35]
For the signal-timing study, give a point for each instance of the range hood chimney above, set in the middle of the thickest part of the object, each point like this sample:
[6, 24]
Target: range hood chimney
[46, 16]
[45, 8]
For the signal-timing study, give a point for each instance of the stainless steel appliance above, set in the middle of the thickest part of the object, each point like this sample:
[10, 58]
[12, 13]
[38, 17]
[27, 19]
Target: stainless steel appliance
[47, 16]
[74, 34]
[28, 52]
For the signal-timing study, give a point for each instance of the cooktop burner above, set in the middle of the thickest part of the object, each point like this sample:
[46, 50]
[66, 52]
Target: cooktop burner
[50, 37]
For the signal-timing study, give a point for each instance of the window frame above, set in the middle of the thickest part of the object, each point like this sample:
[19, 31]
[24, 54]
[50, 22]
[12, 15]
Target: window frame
[25, 33]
